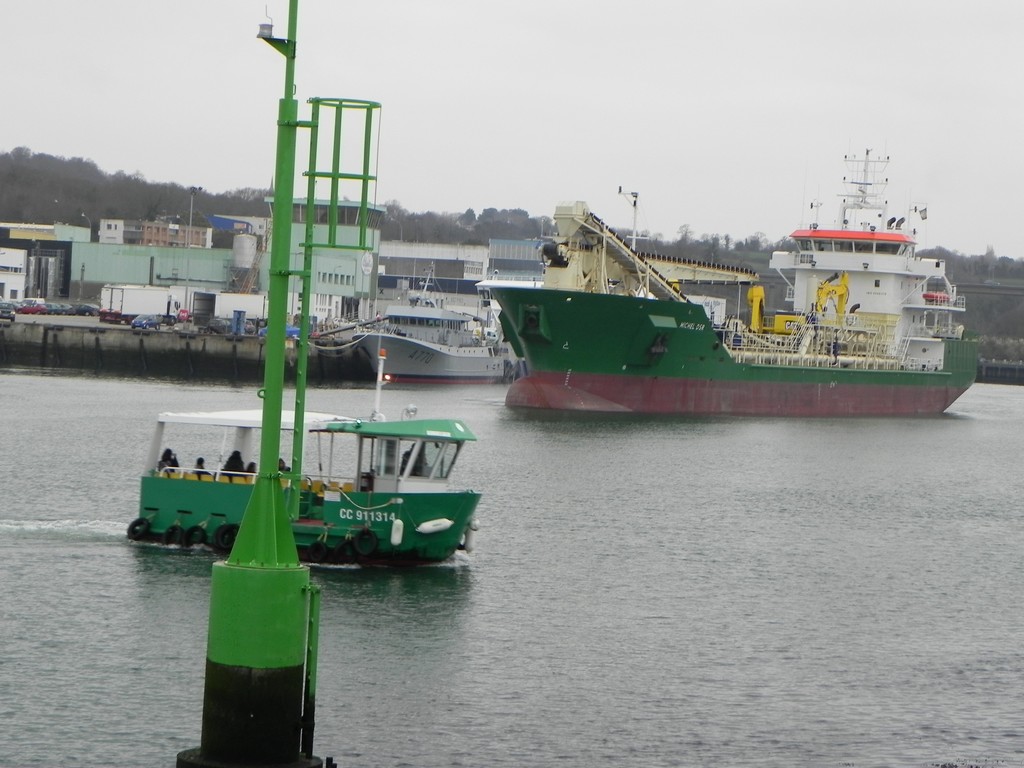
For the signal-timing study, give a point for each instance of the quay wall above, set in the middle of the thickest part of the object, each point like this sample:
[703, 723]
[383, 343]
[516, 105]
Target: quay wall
[171, 354]
[1000, 372]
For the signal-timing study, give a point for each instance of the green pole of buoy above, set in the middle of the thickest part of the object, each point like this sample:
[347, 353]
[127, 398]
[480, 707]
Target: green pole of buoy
[261, 648]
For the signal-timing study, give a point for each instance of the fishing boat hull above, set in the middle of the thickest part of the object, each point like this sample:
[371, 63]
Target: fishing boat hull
[413, 361]
[334, 527]
[612, 353]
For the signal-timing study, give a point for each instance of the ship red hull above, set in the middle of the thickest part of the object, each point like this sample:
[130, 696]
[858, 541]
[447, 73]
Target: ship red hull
[633, 394]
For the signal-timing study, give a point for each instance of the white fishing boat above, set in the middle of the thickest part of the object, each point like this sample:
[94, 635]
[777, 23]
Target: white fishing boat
[425, 342]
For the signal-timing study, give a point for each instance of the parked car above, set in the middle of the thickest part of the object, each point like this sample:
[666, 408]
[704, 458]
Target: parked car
[147, 321]
[32, 307]
[217, 325]
[88, 310]
[224, 326]
[56, 308]
[8, 310]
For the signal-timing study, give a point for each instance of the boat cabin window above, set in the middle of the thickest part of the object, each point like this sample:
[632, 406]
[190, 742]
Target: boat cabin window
[385, 457]
[412, 452]
[823, 245]
[865, 247]
[888, 248]
[392, 457]
[844, 245]
[439, 458]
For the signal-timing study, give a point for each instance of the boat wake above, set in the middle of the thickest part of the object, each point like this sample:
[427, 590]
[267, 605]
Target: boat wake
[456, 561]
[96, 529]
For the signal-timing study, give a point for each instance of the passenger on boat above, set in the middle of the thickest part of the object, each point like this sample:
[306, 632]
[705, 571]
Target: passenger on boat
[167, 461]
[251, 467]
[234, 463]
[282, 467]
[201, 467]
[417, 467]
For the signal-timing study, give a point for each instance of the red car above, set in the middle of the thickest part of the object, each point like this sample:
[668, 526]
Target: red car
[32, 307]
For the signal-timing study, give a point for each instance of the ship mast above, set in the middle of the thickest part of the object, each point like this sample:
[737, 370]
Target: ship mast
[865, 187]
[633, 197]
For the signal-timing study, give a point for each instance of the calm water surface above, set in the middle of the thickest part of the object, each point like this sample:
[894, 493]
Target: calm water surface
[650, 592]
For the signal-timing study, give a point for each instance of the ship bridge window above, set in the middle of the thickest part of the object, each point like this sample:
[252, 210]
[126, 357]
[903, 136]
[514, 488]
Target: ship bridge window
[823, 245]
[888, 248]
[865, 247]
[844, 245]
[804, 245]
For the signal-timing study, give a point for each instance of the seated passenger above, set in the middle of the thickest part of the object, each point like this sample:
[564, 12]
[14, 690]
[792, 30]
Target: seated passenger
[200, 468]
[168, 461]
[234, 464]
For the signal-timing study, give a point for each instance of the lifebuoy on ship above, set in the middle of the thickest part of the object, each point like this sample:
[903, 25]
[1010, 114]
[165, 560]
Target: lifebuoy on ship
[138, 528]
[224, 537]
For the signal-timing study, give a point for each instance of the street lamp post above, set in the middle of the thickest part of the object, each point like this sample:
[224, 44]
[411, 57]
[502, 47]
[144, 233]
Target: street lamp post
[193, 191]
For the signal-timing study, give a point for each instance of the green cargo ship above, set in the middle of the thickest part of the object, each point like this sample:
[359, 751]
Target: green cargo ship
[871, 328]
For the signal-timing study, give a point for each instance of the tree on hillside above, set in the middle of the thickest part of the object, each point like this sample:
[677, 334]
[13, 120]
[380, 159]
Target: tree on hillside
[42, 188]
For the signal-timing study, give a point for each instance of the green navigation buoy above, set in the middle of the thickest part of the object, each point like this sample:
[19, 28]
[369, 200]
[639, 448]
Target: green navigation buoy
[261, 651]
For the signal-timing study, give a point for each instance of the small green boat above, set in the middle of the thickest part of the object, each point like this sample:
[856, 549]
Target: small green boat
[381, 493]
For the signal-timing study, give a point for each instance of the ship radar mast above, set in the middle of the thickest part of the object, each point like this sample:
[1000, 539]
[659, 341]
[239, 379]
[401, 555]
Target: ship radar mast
[864, 189]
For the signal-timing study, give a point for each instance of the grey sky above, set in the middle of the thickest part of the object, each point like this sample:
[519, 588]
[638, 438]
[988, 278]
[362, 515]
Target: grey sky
[730, 117]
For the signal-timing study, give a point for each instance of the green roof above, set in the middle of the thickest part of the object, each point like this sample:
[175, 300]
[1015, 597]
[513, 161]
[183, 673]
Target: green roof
[428, 429]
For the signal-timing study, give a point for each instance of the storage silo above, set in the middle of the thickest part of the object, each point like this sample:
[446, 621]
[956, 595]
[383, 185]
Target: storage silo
[243, 251]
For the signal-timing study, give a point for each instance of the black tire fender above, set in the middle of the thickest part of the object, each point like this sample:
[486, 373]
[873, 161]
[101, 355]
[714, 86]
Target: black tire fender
[194, 535]
[224, 537]
[175, 534]
[317, 552]
[138, 528]
[344, 552]
[365, 542]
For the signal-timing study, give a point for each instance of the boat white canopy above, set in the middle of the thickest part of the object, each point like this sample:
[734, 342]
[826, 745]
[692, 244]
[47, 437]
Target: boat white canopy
[243, 422]
[251, 419]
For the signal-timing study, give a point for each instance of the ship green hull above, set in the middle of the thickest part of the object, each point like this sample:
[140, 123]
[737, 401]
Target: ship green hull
[611, 353]
[333, 527]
